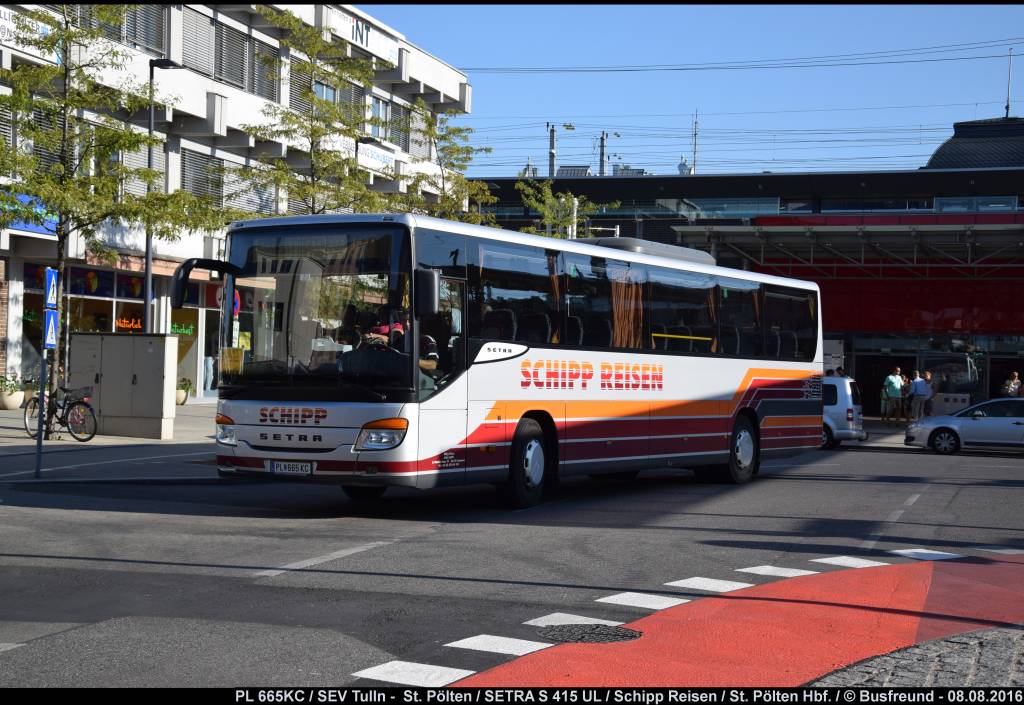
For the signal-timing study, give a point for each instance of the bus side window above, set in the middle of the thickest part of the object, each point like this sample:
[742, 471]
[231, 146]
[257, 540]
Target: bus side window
[516, 294]
[791, 322]
[681, 311]
[740, 318]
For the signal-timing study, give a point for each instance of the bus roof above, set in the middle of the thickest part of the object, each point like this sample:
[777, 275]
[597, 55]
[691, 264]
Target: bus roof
[511, 236]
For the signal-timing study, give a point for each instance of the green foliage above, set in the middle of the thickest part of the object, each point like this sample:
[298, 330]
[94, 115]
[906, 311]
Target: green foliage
[556, 208]
[185, 385]
[74, 172]
[10, 385]
[321, 169]
[458, 197]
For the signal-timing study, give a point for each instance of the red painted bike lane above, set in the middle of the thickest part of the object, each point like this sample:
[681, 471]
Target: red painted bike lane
[786, 633]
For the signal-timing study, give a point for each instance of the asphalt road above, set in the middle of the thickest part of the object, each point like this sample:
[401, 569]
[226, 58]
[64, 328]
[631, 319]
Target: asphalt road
[136, 566]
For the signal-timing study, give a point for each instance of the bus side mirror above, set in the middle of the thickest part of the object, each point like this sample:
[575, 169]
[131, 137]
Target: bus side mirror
[428, 292]
[180, 278]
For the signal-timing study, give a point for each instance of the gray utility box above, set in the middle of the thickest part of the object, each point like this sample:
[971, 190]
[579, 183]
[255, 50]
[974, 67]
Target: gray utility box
[132, 376]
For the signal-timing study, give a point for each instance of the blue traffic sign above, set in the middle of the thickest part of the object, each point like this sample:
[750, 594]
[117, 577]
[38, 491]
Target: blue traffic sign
[51, 329]
[51, 288]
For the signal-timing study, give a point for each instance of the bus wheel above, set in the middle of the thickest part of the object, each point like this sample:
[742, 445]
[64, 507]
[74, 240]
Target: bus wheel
[744, 453]
[525, 484]
[362, 493]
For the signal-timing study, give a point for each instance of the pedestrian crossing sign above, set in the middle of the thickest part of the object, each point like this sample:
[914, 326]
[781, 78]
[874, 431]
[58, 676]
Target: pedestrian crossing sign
[51, 327]
[51, 288]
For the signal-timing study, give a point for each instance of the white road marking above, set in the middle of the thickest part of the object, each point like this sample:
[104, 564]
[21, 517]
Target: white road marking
[849, 562]
[499, 645]
[925, 554]
[911, 499]
[557, 618]
[320, 559]
[8, 647]
[710, 584]
[640, 599]
[105, 462]
[1006, 551]
[418, 674]
[774, 570]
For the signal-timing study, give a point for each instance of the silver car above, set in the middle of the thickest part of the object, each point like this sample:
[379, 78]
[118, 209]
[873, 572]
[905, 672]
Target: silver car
[994, 424]
[841, 413]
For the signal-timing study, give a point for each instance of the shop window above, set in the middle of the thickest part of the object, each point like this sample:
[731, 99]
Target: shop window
[129, 317]
[90, 315]
[91, 282]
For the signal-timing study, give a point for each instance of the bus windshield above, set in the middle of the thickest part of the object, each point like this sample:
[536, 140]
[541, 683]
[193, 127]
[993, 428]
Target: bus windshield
[318, 313]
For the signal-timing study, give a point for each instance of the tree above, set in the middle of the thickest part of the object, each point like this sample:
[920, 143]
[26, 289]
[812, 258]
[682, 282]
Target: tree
[321, 129]
[72, 180]
[556, 209]
[450, 152]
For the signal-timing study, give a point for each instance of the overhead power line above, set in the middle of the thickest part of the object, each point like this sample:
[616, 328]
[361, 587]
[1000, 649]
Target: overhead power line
[877, 58]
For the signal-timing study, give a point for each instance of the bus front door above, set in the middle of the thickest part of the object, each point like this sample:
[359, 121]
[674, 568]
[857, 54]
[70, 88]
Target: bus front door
[443, 389]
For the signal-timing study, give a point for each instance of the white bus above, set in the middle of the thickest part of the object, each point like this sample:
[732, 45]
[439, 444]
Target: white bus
[378, 350]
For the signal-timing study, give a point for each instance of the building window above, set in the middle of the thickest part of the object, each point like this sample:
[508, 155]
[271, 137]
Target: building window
[139, 159]
[382, 116]
[143, 26]
[226, 54]
[204, 175]
[200, 175]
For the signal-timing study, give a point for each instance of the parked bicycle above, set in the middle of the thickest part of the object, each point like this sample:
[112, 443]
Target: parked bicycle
[72, 411]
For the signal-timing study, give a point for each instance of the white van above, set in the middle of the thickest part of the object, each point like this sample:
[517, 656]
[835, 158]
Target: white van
[841, 412]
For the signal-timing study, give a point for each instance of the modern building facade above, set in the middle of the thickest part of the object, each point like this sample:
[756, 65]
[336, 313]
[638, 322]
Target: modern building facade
[923, 269]
[216, 92]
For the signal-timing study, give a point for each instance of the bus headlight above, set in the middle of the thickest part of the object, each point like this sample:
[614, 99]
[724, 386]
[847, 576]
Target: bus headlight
[382, 434]
[226, 430]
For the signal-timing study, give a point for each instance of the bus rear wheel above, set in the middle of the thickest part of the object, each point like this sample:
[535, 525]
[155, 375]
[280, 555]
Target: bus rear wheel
[527, 466]
[363, 493]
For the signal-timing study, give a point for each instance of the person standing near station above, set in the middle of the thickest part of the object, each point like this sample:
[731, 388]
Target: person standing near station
[892, 394]
[1011, 387]
[920, 393]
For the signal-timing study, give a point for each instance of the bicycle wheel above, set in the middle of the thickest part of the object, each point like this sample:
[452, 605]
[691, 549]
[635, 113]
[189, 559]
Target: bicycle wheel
[81, 421]
[32, 417]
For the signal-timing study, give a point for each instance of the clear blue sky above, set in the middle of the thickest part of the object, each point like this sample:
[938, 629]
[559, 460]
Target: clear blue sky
[652, 111]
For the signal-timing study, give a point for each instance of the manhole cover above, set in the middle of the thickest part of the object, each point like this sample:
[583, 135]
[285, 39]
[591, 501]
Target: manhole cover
[588, 633]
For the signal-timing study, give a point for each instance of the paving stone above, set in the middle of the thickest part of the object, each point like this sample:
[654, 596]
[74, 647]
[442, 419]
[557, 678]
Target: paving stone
[993, 657]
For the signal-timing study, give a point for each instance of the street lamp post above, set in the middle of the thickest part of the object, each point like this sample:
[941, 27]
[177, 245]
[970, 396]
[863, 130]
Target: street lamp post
[147, 314]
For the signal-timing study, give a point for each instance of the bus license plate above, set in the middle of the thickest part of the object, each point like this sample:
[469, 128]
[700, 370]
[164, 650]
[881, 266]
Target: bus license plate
[282, 468]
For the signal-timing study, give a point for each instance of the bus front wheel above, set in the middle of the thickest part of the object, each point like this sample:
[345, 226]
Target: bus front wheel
[527, 465]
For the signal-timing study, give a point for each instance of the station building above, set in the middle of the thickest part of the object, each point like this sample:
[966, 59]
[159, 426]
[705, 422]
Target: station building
[215, 93]
[923, 268]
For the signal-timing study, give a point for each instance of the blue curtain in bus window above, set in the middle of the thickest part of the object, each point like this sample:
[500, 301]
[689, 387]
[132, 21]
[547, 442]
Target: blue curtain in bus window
[740, 318]
[681, 311]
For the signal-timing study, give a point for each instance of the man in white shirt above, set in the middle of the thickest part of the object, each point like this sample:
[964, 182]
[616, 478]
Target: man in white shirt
[920, 392]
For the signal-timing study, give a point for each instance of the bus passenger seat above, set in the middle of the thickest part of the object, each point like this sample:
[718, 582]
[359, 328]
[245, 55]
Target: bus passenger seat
[499, 324]
[791, 347]
[657, 341]
[534, 328]
[773, 342]
[573, 330]
[683, 344]
[598, 332]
